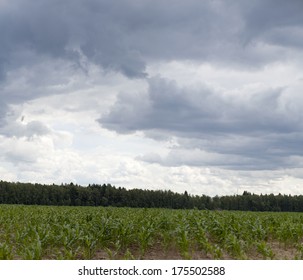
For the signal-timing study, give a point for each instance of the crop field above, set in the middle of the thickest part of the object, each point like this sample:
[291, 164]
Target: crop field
[66, 232]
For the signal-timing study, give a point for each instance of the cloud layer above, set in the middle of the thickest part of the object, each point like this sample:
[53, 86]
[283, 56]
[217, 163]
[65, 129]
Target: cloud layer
[127, 35]
[257, 130]
[195, 84]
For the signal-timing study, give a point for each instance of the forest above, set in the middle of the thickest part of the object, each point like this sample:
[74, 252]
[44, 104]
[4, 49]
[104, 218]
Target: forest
[108, 195]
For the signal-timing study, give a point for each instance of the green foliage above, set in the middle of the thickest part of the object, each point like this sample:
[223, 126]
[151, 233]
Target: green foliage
[5, 252]
[265, 250]
[108, 195]
[48, 232]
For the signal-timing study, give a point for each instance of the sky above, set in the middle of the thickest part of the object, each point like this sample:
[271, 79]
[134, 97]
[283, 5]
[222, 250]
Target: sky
[197, 96]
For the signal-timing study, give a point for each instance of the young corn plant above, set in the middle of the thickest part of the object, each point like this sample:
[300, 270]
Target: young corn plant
[128, 255]
[299, 254]
[89, 243]
[70, 253]
[234, 246]
[33, 251]
[5, 252]
[217, 252]
[113, 253]
[145, 236]
[265, 250]
[203, 241]
[123, 232]
[183, 242]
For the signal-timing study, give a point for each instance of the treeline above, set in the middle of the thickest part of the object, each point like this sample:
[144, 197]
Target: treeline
[107, 195]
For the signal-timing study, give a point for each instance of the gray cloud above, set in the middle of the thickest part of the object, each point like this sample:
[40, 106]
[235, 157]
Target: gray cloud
[194, 111]
[62, 29]
[10, 128]
[28, 130]
[263, 18]
[3, 111]
[244, 131]
[126, 35]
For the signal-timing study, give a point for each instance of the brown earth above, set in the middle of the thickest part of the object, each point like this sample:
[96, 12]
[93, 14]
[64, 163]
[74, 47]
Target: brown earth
[156, 252]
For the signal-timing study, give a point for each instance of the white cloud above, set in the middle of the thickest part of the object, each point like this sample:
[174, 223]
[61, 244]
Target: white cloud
[203, 96]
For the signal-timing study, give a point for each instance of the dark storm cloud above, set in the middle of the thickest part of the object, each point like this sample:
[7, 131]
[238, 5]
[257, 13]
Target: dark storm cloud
[60, 29]
[125, 36]
[248, 130]
[265, 19]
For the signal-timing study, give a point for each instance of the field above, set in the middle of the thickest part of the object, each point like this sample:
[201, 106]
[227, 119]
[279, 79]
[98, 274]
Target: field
[47, 232]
